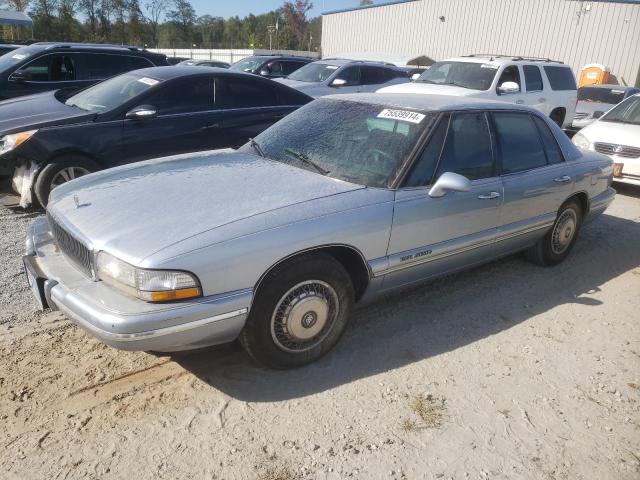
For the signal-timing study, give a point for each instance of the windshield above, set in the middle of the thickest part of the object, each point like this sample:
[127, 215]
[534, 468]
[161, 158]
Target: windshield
[472, 75]
[249, 64]
[112, 93]
[314, 72]
[626, 112]
[356, 142]
[16, 56]
[600, 95]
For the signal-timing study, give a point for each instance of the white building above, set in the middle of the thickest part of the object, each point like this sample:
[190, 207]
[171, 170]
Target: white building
[577, 32]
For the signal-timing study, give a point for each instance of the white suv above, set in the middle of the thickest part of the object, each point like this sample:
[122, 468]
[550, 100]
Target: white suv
[544, 84]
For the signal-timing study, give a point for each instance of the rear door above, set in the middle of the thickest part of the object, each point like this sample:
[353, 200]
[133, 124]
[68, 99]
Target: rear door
[535, 95]
[189, 118]
[535, 178]
[431, 236]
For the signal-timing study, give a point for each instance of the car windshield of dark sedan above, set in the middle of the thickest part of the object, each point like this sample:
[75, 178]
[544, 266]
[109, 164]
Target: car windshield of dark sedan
[357, 142]
[627, 112]
[248, 64]
[112, 93]
[14, 56]
[472, 75]
[600, 95]
[314, 72]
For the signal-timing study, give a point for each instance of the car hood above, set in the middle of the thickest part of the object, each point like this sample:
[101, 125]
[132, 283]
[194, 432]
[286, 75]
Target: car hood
[613, 132]
[429, 88]
[137, 210]
[591, 107]
[38, 111]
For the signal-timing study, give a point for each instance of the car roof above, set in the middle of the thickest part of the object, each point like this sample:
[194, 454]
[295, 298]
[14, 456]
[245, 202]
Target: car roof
[502, 59]
[346, 61]
[181, 70]
[282, 57]
[436, 103]
[91, 46]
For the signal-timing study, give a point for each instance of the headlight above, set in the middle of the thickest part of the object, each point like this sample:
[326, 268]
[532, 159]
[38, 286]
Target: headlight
[9, 142]
[148, 285]
[581, 141]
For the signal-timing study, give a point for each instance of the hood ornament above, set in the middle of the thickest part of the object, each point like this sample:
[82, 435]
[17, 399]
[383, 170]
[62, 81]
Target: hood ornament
[76, 200]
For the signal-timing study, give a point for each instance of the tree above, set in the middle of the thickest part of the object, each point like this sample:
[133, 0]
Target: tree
[155, 11]
[184, 17]
[364, 3]
[295, 14]
[43, 13]
[90, 9]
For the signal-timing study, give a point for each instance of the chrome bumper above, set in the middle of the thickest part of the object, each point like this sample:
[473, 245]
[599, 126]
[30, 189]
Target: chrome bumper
[125, 322]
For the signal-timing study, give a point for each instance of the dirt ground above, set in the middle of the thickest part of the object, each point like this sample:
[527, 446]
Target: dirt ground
[508, 371]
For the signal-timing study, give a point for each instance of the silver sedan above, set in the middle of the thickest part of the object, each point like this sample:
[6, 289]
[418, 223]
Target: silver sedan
[345, 199]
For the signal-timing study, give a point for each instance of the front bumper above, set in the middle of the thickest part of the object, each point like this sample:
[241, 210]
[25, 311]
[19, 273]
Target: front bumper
[124, 322]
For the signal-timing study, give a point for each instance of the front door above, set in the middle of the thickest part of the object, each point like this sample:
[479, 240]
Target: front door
[535, 178]
[431, 236]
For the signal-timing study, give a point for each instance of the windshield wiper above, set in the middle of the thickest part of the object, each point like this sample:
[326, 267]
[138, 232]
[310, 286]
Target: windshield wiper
[304, 158]
[256, 146]
[459, 85]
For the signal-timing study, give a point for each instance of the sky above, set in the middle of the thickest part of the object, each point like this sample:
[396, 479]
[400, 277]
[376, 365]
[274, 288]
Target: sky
[242, 8]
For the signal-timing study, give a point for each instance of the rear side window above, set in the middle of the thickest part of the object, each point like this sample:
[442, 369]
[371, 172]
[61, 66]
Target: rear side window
[532, 78]
[422, 171]
[243, 93]
[136, 63]
[185, 95]
[518, 142]
[290, 67]
[373, 75]
[560, 78]
[551, 148]
[467, 149]
[289, 96]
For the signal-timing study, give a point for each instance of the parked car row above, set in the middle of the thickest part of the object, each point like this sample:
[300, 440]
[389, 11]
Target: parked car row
[323, 204]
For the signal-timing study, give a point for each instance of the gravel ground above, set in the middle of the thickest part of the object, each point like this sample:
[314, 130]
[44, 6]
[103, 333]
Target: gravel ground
[508, 371]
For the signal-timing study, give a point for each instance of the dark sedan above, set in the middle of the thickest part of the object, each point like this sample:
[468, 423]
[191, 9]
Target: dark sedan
[46, 140]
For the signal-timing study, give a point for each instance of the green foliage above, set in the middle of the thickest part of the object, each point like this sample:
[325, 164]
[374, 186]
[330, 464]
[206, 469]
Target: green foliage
[170, 24]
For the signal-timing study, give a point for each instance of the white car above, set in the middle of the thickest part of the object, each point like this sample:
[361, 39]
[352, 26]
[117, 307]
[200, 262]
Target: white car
[617, 134]
[544, 84]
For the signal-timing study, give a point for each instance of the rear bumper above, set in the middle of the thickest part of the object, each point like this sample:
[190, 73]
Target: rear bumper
[122, 321]
[600, 203]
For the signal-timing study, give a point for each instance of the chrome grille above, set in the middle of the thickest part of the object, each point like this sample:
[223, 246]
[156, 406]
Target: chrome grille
[75, 250]
[618, 150]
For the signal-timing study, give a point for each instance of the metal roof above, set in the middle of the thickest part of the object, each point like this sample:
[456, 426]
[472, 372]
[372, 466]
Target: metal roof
[8, 17]
[396, 2]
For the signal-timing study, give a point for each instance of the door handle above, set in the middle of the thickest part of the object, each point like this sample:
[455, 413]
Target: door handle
[210, 127]
[562, 179]
[519, 102]
[542, 100]
[489, 196]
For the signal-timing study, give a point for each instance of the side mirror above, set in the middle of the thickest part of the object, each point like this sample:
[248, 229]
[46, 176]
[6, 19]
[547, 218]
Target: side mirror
[509, 87]
[338, 82]
[264, 72]
[449, 182]
[598, 114]
[141, 113]
[18, 76]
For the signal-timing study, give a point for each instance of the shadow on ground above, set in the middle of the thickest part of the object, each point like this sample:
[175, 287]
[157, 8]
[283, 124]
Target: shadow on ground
[435, 318]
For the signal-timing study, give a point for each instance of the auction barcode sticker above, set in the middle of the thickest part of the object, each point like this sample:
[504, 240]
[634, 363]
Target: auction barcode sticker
[404, 115]
[148, 81]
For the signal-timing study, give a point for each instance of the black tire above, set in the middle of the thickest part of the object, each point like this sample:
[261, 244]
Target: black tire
[266, 336]
[47, 178]
[558, 117]
[550, 250]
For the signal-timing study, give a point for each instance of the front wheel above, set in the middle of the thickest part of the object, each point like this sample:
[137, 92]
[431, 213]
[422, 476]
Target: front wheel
[299, 313]
[61, 171]
[556, 245]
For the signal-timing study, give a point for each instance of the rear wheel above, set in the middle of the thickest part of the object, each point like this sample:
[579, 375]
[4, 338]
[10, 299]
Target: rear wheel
[60, 171]
[556, 245]
[299, 313]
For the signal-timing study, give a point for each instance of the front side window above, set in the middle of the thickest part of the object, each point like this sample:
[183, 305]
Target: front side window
[560, 78]
[315, 72]
[275, 69]
[510, 74]
[518, 142]
[351, 75]
[112, 93]
[50, 68]
[472, 75]
[249, 64]
[532, 78]
[627, 112]
[357, 142]
[422, 171]
[467, 149]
